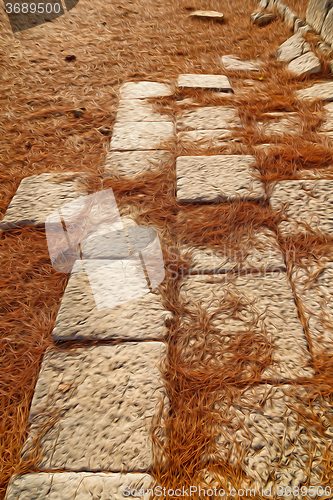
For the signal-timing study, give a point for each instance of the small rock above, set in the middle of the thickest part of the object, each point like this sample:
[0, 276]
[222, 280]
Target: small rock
[207, 14]
[294, 47]
[70, 57]
[78, 112]
[307, 64]
[104, 23]
[262, 18]
[234, 63]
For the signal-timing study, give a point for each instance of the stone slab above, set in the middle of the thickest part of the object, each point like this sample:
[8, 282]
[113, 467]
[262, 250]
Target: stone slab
[91, 307]
[105, 398]
[77, 486]
[327, 29]
[327, 125]
[209, 118]
[289, 18]
[210, 178]
[267, 307]
[204, 139]
[257, 250]
[306, 203]
[138, 110]
[316, 13]
[320, 91]
[307, 64]
[39, 195]
[133, 163]
[234, 63]
[281, 124]
[207, 14]
[212, 82]
[142, 90]
[266, 434]
[140, 135]
[294, 47]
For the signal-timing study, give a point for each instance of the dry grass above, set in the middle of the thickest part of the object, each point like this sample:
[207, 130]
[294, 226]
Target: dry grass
[114, 43]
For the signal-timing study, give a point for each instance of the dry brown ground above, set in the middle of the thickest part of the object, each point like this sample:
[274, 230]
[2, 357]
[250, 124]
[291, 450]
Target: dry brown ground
[114, 43]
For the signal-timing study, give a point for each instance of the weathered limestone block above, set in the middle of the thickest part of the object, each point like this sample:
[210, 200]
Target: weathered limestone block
[140, 135]
[77, 486]
[327, 126]
[141, 90]
[212, 82]
[234, 63]
[208, 178]
[320, 91]
[204, 139]
[316, 13]
[135, 163]
[104, 398]
[209, 118]
[294, 47]
[307, 64]
[266, 306]
[138, 110]
[280, 123]
[289, 18]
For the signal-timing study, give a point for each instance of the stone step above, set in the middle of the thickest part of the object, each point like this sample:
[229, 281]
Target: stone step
[105, 398]
[141, 136]
[202, 140]
[209, 82]
[267, 307]
[78, 486]
[136, 163]
[142, 90]
[209, 118]
[138, 110]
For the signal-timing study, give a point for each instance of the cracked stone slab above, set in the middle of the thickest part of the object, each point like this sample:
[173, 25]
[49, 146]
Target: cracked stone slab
[209, 178]
[138, 110]
[280, 124]
[86, 310]
[268, 437]
[212, 82]
[266, 306]
[77, 486]
[39, 195]
[133, 163]
[140, 135]
[320, 91]
[209, 118]
[204, 139]
[305, 203]
[234, 63]
[142, 90]
[254, 251]
[294, 47]
[307, 64]
[316, 13]
[105, 398]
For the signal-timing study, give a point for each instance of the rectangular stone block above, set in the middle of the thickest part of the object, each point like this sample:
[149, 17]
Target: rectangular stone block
[138, 110]
[109, 301]
[142, 90]
[77, 486]
[316, 13]
[294, 47]
[105, 398]
[209, 178]
[280, 124]
[234, 63]
[320, 92]
[39, 195]
[267, 307]
[140, 135]
[307, 204]
[209, 118]
[307, 64]
[134, 163]
[212, 82]
[204, 139]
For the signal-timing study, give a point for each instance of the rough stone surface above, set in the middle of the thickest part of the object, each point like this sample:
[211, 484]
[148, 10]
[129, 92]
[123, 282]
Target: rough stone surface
[213, 82]
[316, 13]
[267, 308]
[263, 4]
[327, 126]
[307, 64]
[209, 178]
[207, 14]
[133, 163]
[39, 195]
[255, 251]
[105, 398]
[299, 23]
[289, 18]
[137, 110]
[280, 124]
[262, 18]
[140, 135]
[265, 426]
[204, 139]
[141, 316]
[76, 486]
[306, 203]
[281, 7]
[327, 29]
[320, 91]
[294, 47]
[234, 63]
[141, 90]
[209, 118]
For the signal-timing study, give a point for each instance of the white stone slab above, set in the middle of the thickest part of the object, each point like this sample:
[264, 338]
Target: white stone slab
[281, 124]
[234, 63]
[141, 90]
[78, 486]
[306, 203]
[307, 64]
[204, 139]
[141, 135]
[327, 126]
[267, 437]
[209, 178]
[320, 91]
[39, 195]
[208, 14]
[106, 397]
[267, 307]
[213, 82]
[134, 163]
[138, 110]
[209, 118]
[110, 300]
[294, 47]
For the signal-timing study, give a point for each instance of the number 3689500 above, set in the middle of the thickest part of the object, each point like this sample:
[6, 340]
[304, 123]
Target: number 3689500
[32, 8]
